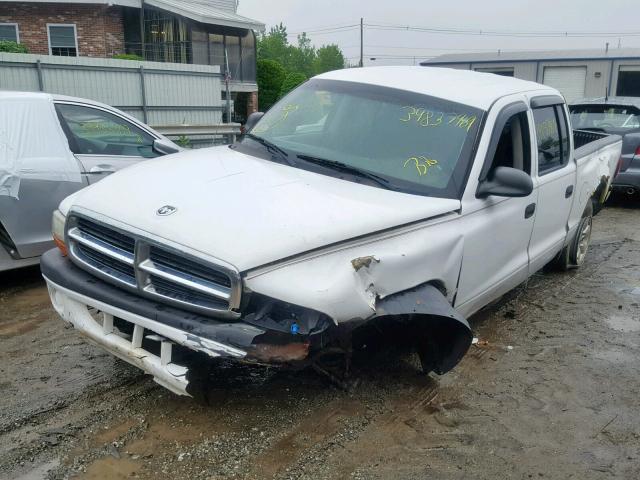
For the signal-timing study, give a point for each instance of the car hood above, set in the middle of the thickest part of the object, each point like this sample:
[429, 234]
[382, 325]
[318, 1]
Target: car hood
[249, 211]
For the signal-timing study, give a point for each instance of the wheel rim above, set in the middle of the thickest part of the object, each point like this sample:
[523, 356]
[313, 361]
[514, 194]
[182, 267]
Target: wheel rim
[583, 241]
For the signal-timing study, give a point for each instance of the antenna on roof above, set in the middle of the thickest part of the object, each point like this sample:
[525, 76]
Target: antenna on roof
[606, 50]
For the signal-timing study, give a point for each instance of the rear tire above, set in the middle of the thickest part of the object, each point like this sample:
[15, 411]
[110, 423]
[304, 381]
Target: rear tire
[574, 254]
[581, 243]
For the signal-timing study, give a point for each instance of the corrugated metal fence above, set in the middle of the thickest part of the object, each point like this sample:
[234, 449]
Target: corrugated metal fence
[156, 93]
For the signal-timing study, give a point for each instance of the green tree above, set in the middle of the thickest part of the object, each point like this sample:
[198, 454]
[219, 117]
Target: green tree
[270, 77]
[292, 81]
[13, 47]
[274, 45]
[328, 57]
[301, 58]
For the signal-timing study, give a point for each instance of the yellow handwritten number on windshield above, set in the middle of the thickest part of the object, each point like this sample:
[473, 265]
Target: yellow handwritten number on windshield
[423, 164]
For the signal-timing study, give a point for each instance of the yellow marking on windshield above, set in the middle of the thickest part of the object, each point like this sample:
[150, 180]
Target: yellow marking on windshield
[422, 164]
[286, 111]
[463, 121]
[435, 118]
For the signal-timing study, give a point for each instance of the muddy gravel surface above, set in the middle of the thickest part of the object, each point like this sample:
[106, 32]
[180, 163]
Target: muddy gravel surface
[551, 390]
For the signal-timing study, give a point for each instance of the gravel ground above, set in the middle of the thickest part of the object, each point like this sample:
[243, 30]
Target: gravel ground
[550, 391]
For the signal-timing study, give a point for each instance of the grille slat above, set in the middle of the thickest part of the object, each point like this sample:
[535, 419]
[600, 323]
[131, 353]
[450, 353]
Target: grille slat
[108, 265]
[157, 271]
[111, 237]
[182, 294]
[175, 262]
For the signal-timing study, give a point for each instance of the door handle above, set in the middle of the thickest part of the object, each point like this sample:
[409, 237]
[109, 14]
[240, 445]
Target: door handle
[568, 192]
[530, 210]
[102, 169]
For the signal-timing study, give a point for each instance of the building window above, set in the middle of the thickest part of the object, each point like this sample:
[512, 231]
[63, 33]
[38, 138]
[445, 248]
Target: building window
[63, 40]
[9, 32]
[628, 82]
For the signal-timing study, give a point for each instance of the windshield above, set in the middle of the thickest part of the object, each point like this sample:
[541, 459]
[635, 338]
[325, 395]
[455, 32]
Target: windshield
[603, 117]
[418, 143]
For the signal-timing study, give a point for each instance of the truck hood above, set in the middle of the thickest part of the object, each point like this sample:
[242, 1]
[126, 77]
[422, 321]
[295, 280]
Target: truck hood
[249, 211]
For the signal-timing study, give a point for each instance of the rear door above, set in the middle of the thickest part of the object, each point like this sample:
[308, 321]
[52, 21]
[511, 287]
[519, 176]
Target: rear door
[555, 176]
[37, 171]
[103, 141]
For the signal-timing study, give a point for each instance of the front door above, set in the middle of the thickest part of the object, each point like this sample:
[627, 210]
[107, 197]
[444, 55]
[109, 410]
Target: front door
[102, 141]
[556, 178]
[497, 230]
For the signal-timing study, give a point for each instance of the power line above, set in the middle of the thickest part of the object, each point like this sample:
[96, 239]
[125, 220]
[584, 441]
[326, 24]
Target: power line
[324, 31]
[497, 33]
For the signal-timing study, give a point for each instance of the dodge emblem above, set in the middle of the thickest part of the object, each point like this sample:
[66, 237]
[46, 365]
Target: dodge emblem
[166, 210]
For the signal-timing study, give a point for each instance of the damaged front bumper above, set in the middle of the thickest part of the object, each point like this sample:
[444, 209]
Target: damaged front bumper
[154, 336]
[94, 308]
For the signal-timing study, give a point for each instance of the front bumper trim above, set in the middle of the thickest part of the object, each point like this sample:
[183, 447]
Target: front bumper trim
[74, 308]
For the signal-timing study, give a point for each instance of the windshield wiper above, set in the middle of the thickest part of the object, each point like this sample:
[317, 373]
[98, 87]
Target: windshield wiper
[272, 148]
[343, 167]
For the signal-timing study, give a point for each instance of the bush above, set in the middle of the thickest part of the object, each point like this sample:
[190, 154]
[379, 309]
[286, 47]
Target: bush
[270, 77]
[12, 47]
[128, 56]
[291, 81]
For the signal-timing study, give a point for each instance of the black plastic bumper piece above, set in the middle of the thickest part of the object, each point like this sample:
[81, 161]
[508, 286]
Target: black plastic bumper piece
[61, 271]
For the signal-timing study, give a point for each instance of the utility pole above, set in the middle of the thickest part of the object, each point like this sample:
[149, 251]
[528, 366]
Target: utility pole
[227, 79]
[362, 42]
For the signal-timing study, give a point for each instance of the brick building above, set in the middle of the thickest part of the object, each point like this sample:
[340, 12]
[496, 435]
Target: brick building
[207, 32]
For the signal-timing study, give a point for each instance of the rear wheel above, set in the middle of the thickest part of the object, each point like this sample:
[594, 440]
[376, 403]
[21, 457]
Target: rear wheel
[574, 254]
[582, 242]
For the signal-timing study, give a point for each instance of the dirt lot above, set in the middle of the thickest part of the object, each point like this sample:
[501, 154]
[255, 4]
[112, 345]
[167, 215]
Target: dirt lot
[552, 390]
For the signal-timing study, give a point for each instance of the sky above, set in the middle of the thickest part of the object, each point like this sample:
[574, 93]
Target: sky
[387, 46]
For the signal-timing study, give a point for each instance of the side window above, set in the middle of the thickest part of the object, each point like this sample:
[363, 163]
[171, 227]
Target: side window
[514, 146]
[552, 137]
[96, 132]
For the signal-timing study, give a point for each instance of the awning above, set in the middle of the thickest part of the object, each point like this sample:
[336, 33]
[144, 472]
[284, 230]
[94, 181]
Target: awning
[202, 12]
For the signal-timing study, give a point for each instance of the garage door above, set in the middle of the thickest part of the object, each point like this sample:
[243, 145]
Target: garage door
[571, 81]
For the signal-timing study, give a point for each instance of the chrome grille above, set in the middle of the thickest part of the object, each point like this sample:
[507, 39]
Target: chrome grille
[152, 269]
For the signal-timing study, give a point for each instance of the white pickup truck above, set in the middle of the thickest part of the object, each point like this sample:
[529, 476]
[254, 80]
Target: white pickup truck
[396, 196]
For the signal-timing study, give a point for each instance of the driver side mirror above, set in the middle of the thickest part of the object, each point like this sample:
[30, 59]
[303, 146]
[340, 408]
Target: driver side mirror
[506, 182]
[163, 147]
[252, 120]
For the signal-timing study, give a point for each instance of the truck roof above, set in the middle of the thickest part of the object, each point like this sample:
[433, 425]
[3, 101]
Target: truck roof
[471, 88]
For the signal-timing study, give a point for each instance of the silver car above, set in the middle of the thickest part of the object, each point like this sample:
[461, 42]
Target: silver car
[50, 147]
